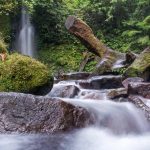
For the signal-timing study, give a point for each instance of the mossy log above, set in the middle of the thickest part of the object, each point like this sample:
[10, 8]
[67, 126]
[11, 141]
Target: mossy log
[141, 66]
[85, 34]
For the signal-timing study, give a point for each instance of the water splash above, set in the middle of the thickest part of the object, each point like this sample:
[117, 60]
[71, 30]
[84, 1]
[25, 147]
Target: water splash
[26, 38]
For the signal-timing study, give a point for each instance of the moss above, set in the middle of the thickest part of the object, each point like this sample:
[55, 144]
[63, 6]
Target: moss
[22, 74]
[140, 65]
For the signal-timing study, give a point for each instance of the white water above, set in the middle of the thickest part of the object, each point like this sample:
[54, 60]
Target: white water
[26, 39]
[119, 118]
[100, 139]
[118, 64]
[118, 126]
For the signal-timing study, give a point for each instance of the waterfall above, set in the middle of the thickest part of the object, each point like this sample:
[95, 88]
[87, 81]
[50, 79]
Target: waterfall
[26, 38]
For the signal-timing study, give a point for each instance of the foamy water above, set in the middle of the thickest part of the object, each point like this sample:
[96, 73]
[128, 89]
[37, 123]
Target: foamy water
[100, 139]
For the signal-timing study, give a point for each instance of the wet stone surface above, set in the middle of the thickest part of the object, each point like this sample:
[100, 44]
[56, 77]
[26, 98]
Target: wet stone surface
[101, 82]
[26, 113]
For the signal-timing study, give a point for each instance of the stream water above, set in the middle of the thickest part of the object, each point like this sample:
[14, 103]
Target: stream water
[118, 126]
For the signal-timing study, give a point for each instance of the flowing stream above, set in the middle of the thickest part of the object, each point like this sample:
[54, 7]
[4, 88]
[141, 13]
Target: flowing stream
[118, 126]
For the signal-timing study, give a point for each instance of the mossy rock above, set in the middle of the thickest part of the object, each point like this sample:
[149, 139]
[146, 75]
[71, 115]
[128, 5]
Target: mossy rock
[141, 66]
[24, 74]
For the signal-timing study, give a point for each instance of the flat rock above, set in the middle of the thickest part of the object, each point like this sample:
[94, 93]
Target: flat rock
[73, 76]
[26, 113]
[127, 81]
[101, 82]
[117, 93]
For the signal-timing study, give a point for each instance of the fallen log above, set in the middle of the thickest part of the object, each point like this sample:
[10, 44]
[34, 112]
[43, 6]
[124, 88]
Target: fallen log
[84, 33]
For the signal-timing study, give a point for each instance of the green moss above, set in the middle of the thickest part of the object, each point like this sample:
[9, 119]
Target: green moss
[22, 74]
[140, 65]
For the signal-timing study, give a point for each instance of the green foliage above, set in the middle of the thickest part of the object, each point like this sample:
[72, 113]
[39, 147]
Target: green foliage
[122, 24]
[22, 74]
[138, 33]
[48, 17]
[7, 6]
[90, 66]
[119, 71]
[66, 57]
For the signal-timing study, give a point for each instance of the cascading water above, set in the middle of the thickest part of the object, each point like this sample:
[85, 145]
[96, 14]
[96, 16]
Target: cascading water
[117, 126]
[26, 38]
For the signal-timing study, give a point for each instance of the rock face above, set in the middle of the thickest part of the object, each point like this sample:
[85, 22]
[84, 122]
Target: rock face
[64, 91]
[102, 82]
[139, 88]
[30, 114]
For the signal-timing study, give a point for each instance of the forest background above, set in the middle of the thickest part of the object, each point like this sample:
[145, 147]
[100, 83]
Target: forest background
[123, 25]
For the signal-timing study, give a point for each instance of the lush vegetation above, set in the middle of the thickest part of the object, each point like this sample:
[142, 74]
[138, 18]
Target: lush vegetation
[122, 24]
[23, 74]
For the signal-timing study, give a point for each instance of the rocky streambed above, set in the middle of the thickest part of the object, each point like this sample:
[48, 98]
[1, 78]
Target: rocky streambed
[80, 108]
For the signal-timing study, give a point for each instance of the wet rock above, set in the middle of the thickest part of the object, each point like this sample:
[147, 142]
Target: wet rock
[127, 81]
[64, 91]
[25, 113]
[101, 82]
[141, 103]
[130, 57]
[117, 93]
[139, 88]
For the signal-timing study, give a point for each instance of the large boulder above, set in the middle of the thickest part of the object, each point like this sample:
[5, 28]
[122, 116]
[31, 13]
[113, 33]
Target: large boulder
[141, 66]
[24, 74]
[25, 113]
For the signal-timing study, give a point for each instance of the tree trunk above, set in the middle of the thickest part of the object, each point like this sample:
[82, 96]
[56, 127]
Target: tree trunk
[85, 34]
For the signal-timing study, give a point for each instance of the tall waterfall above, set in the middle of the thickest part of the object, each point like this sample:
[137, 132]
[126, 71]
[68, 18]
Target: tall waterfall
[26, 38]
